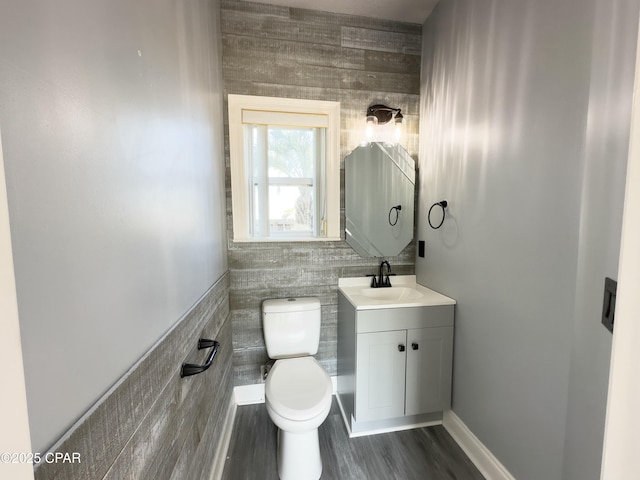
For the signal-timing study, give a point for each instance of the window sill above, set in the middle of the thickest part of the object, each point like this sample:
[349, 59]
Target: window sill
[287, 240]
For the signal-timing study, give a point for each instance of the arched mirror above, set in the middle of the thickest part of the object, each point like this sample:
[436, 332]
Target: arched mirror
[379, 199]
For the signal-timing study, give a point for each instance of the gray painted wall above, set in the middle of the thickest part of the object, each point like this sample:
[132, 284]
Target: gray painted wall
[289, 52]
[113, 152]
[525, 116]
[613, 43]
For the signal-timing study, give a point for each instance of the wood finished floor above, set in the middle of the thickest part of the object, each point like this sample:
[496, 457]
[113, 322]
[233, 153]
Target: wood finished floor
[423, 453]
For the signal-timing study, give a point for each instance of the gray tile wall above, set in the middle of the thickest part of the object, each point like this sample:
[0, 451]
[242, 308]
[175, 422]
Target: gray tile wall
[287, 52]
[154, 424]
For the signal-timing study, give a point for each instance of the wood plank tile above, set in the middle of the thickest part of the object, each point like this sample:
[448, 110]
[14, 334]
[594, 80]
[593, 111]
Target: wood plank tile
[255, 8]
[339, 460]
[355, 21]
[251, 454]
[293, 52]
[273, 70]
[268, 26]
[424, 453]
[380, 40]
[375, 61]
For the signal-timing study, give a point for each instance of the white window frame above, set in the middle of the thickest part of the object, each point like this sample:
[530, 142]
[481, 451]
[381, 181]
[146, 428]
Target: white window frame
[276, 107]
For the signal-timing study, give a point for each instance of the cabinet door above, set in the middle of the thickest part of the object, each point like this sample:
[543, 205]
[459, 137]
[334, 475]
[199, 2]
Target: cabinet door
[429, 363]
[380, 359]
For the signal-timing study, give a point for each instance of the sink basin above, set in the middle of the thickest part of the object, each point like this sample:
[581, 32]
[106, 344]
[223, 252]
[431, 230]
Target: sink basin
[392, 293]
[405, 292]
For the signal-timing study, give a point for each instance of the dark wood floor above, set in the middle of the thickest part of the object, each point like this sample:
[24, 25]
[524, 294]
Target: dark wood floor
[424, 453]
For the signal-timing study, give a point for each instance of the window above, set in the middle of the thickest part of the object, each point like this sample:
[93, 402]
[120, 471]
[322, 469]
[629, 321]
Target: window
[285, 170]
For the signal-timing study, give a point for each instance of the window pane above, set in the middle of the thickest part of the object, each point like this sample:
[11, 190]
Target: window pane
[291, 209]
[292, 152]
[284, 163]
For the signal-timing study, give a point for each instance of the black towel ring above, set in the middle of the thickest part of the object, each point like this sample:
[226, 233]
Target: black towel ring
[397, 208]
[443, 205]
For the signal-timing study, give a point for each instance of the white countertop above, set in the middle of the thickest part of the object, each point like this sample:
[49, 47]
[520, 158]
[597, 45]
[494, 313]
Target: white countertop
[404, 292]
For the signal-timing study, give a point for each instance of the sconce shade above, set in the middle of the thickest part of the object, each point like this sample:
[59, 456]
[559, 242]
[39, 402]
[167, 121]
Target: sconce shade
[384, 114]
[379, 115]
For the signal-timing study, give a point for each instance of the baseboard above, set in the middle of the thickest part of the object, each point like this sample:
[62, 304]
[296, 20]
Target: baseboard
[343, 414]
[249, 394]
[252, 394]
[225, 440]
[480, 455]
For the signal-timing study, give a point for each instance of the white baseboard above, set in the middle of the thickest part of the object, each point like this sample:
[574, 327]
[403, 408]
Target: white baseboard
[252, 394]
[225, 440]
[480, 455]
[249, 394]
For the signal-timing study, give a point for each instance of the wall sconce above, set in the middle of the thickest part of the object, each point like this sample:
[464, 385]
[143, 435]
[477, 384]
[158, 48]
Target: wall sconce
[381, 115]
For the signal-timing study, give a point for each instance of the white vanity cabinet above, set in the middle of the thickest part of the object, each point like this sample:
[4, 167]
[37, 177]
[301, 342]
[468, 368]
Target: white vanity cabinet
[394, 365]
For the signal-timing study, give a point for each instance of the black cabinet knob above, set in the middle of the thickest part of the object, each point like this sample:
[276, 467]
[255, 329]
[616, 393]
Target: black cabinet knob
[415, 346]
[401, 348]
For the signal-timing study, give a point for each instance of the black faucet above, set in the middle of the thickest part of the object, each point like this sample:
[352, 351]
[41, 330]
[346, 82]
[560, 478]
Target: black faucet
[382, 281]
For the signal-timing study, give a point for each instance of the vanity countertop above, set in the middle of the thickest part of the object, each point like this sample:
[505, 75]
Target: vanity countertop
[404, 292]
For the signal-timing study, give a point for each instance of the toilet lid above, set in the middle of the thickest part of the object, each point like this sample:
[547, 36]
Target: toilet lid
[298, 388]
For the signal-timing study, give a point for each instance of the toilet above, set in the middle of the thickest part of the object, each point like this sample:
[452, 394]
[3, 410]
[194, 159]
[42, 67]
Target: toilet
[298, 389]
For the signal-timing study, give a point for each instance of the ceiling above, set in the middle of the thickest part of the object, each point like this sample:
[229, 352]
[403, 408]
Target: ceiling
[411, 11]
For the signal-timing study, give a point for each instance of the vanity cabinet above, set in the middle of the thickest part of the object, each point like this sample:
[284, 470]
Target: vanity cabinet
[394, 365]
[403, 372]
[429, 370]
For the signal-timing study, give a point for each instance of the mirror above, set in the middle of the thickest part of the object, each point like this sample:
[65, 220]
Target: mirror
[379, 199]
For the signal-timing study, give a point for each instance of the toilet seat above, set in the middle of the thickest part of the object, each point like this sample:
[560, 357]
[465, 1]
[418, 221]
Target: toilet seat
[298, 389]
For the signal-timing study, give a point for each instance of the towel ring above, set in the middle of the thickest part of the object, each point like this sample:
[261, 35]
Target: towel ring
[443, 205]
[397, 208]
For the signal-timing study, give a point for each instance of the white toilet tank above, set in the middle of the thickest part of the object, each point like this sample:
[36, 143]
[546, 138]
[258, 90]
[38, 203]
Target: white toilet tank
[291, 326]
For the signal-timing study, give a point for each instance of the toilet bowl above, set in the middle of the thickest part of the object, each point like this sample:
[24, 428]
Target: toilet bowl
[298, 399]
[298, 389]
